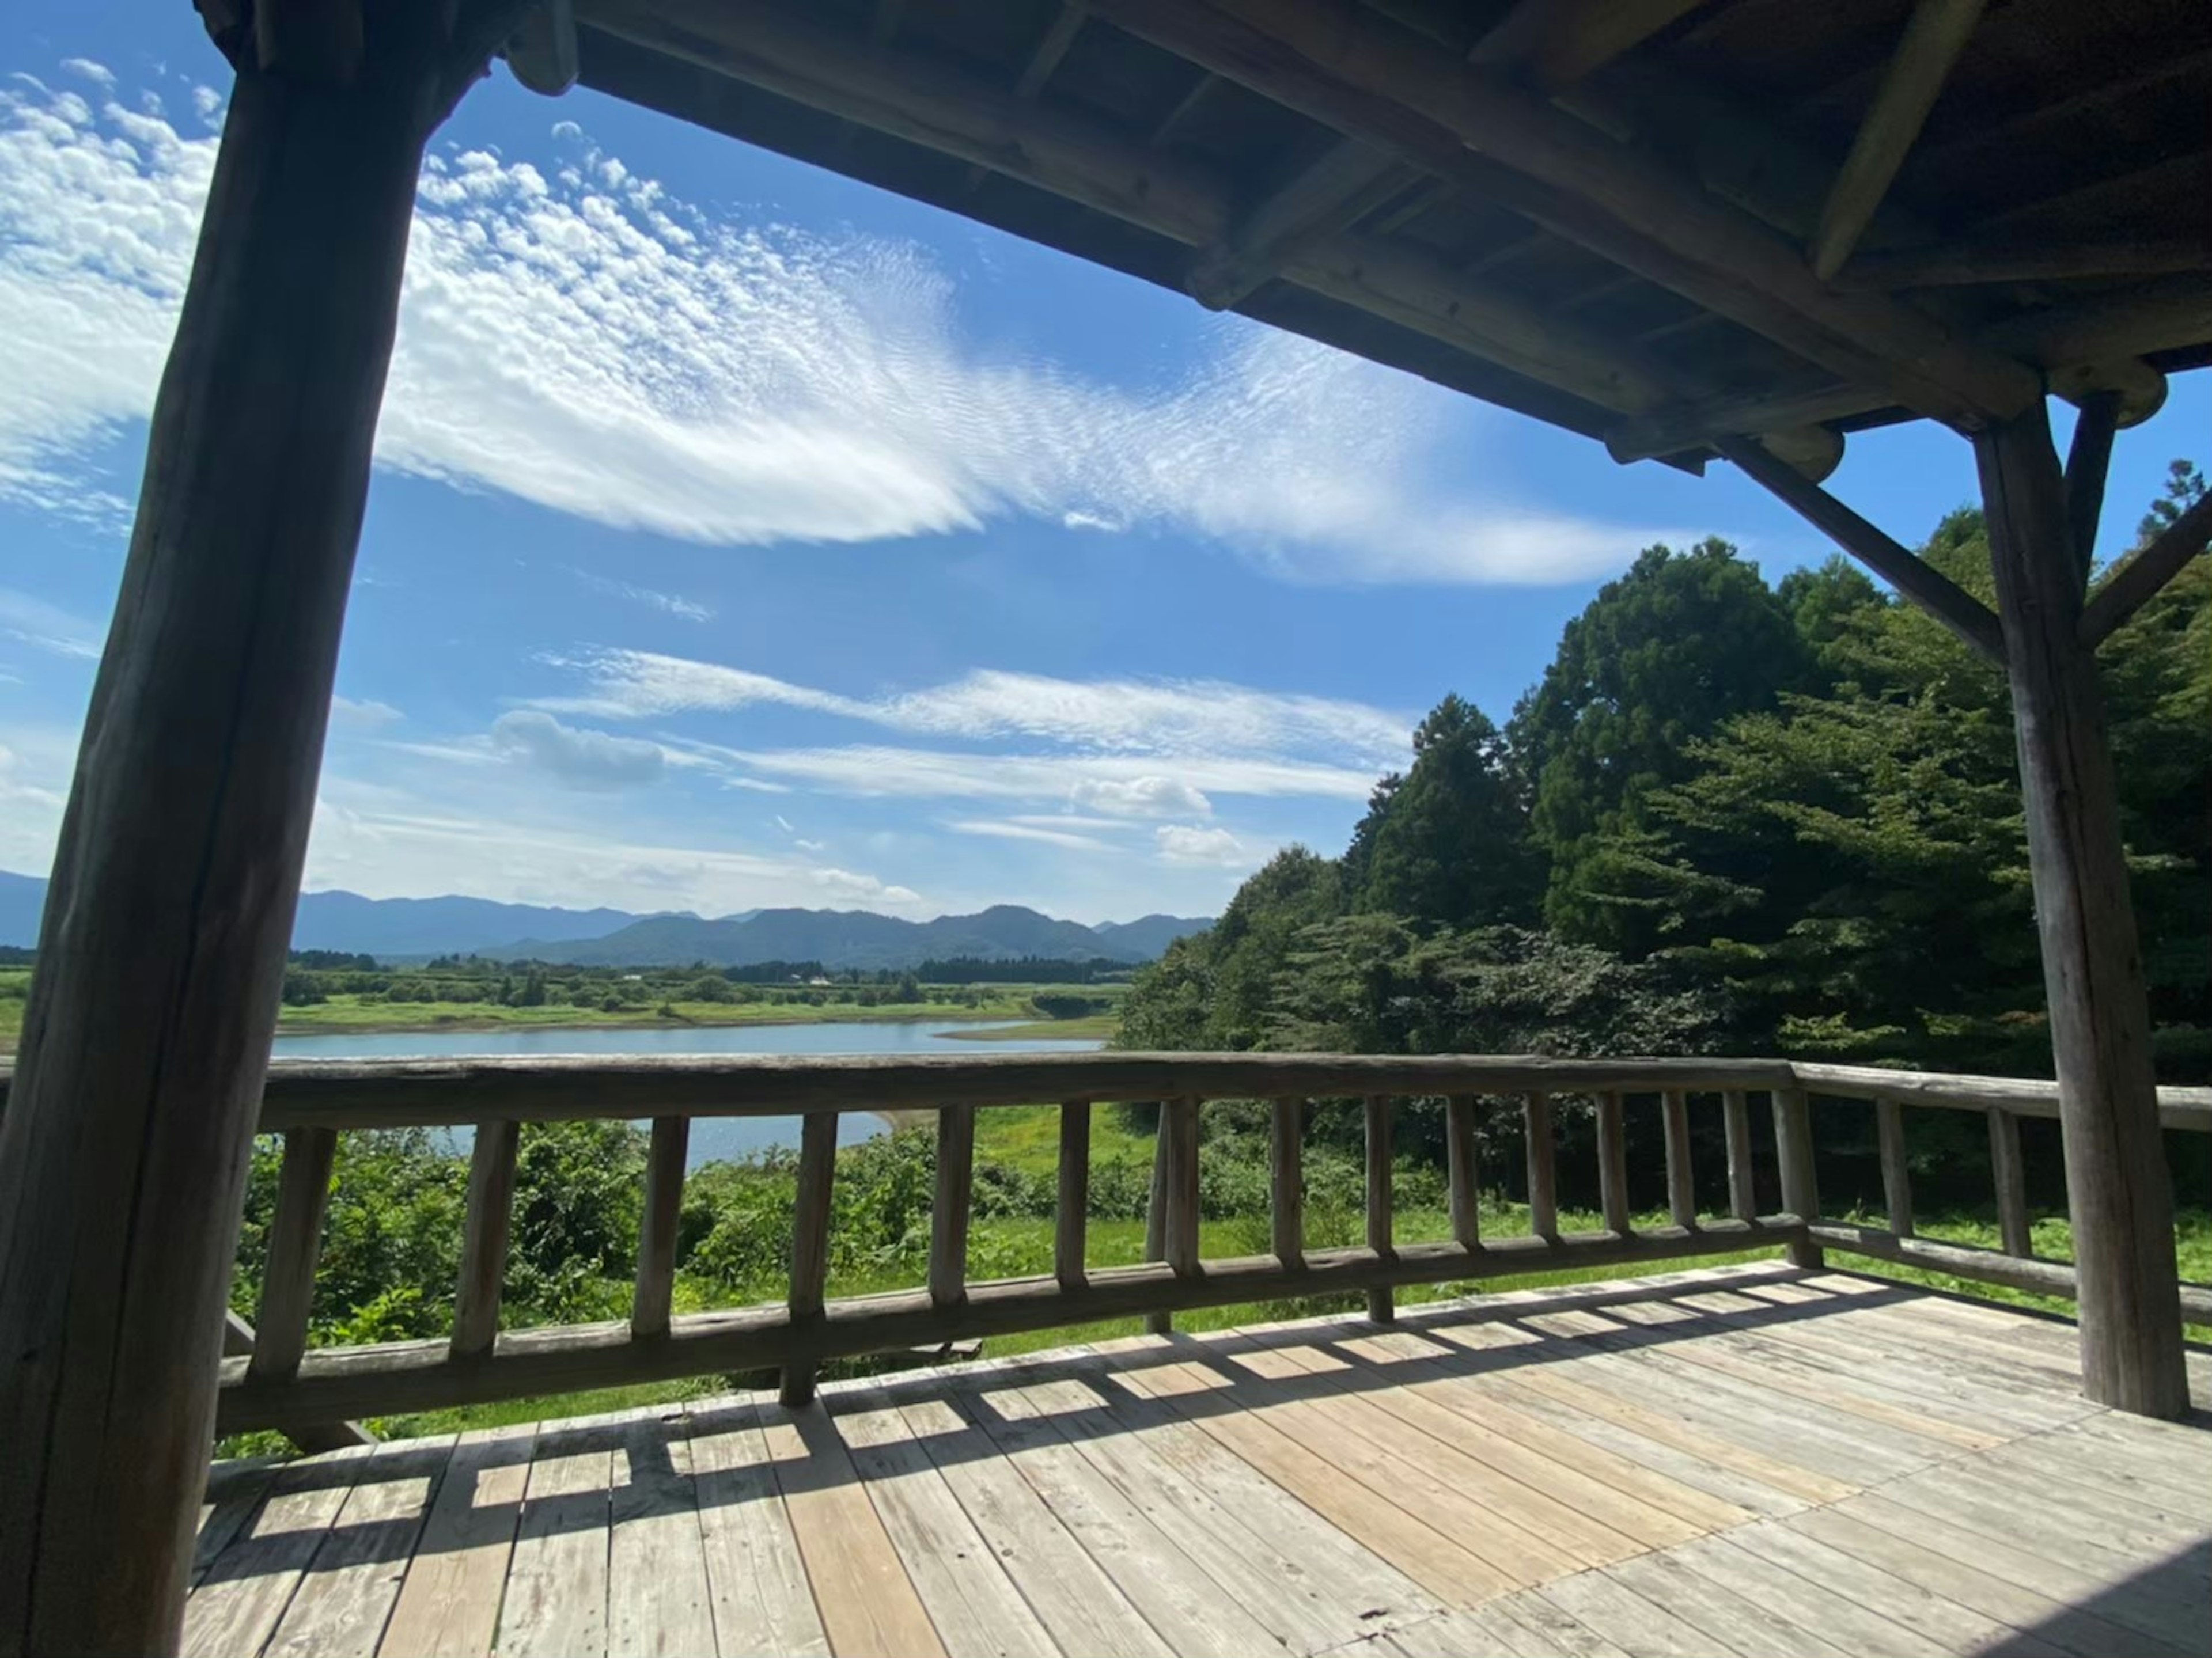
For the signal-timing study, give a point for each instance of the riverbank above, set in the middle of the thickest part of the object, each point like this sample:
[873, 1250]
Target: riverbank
[373, 1016]
[1095, 1027]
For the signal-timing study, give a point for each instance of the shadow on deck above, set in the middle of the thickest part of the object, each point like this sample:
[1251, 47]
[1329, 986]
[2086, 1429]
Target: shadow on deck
[1740, 1460]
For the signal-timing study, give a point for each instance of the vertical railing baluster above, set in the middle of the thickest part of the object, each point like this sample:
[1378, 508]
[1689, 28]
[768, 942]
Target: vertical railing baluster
[1801, 1190]
[1743, 1174]
[295, 1239]
[1896, 1173]
[810, 1249]
[1382, 1302]
[1156, 1211]
[1071, 1224]
[1681, 1179]
[1543, 1167]
[1612, 1165]
[1466, 1189]
[1183, 1217]
[948, 1212]
[1286, 1182]
[2011, 1177]
[483, 1238]
[656, 1231]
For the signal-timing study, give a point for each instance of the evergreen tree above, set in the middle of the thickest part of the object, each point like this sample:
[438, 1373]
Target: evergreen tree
[1448, 843]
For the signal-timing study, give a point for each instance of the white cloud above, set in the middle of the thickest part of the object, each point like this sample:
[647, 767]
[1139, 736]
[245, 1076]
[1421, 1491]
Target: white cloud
[844, 883]
[1214, 848]
[31, 620]
[927, 774]
[1141, 797]
[369, 715]
[573, 756]
[589, 343]
[1030, 829]
[1162, 716]
[675, 605]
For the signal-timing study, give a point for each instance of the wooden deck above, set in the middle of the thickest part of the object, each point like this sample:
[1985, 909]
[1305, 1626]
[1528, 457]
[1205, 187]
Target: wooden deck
[1747, 1462]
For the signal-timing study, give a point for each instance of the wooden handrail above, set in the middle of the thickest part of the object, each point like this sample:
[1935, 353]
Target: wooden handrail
[288, 1385]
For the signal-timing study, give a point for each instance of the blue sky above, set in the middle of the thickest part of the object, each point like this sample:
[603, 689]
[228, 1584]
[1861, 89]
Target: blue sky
[742, 535]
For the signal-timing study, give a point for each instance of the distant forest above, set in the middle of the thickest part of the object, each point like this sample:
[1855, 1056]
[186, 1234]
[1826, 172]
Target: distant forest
[1731, 817]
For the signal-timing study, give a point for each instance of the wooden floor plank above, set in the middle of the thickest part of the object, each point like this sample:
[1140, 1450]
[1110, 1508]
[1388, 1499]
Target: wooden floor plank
[448, 1603]
[1735, 1622]
[235, 1491]
[346, 1597]
[1418, 1550]
[757, 1584]
[659, 1602]
[1615, 1612]
[1194, 1612]
[1816, 1610]
[1071, 1593]
[868, 1603]
[970, 1599]
[246, 1588]
[556, 1580]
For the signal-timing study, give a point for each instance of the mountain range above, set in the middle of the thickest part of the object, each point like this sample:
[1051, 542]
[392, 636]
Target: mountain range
[451, 925]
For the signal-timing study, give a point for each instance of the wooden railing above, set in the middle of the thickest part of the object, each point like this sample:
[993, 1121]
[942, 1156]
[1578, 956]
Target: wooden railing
[284, 1383]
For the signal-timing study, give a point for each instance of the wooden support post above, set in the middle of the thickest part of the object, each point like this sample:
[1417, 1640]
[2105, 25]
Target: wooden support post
[1382, 1304]
[1613, 1164]
[295, 1239]
[2009, 1176]
[948, 1209]
[1287, 1205]
[1181, 1246]
[1800, 1188]
[1466, 1190]
[809, 1244]
[1071, 1224]
[1742, 1172]
[2088, 463]
[1681, 1184]
[2117, 1187]
[122, 1150]
[1896, 1172]
[1156, 1213]
[485, 1226]
[1543, 1167]
[2146, 571]
[657, 1227]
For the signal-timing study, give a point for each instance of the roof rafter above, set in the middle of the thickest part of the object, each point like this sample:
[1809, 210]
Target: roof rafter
[1935, 34]
[1971, 262]
[1554, 43]
[1376, 81]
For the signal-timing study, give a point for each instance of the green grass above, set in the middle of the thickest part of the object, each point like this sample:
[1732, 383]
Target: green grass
[344, 1013]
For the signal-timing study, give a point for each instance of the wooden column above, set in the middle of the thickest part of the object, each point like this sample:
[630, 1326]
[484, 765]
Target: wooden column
[1287, 1184]
[1743, 1174]
[1800, 1185]
[1460, 1161]
[949, 1208]
[1382, 1304]
[809, 1247]
[1543, 1167]
[658, 1226]
[2117, 1188]
[1070, 1225]
[1896, 1168]
[1156, 1211]
[124, 1148]
[485, 1225]
[1612, 1165]
[1681, 1181]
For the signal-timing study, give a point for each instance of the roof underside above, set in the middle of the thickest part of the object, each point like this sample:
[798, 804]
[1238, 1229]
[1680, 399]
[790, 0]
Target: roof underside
[1595, 212]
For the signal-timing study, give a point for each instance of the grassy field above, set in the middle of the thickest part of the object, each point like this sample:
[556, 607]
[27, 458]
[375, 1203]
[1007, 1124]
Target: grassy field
[1028, 1139]
[374, 1013]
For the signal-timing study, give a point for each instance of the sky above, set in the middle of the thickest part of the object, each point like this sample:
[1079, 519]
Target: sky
[743, 536]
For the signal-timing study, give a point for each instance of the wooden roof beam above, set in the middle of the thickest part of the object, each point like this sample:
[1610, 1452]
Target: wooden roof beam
[2088, 463]
[1060, 35]
[2144, 572]
[1968, 263]
[1549, 44]
[960, 114]
[1934, 37]
[1930, 588]
[1379, 81]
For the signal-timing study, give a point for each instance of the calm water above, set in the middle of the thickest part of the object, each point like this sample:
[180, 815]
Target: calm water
[711, 1138]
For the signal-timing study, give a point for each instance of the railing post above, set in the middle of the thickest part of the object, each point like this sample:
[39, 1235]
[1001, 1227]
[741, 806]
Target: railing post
[1182, 1215]
[1800, 1191]
[1742, 1173]
[948, 1213]
[1681, 1181]
[656, 1231]
[1382, 1303]
[1286, 1182]
[295, 1239]
[1612, 1165]
[483, 1238]
[810, 1248]
[1543, 1167]
[1896, 1173]
[2010, 1174]
[1070, 1223]
[1156, 1211]
[1466, 1190]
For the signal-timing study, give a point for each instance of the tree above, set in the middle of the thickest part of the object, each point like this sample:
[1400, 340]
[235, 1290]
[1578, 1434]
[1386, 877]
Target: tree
[2184, 488]
[1660, 659]
[1447, 843]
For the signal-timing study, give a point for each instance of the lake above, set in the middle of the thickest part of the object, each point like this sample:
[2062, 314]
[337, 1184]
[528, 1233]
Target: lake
[711, 1138]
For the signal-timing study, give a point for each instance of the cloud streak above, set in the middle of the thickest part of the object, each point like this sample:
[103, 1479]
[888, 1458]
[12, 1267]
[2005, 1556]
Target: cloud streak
[573, 334]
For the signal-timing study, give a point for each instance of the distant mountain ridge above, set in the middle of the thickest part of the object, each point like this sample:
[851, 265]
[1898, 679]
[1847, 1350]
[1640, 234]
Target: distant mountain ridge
[451, 925]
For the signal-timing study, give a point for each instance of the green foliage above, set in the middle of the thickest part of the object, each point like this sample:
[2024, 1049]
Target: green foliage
[1448, 842]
